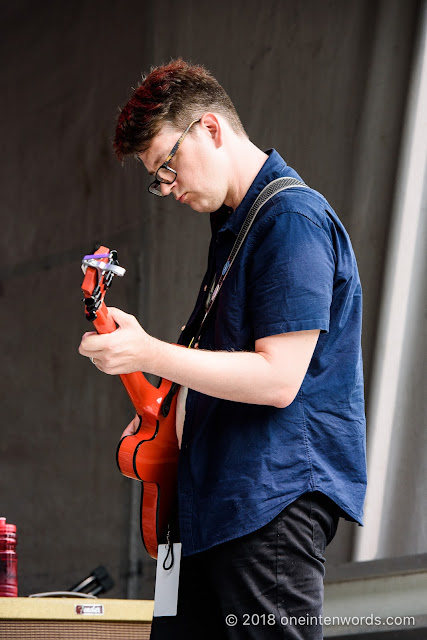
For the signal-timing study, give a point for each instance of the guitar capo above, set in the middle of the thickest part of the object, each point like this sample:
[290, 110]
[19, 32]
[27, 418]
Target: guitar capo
[97, 261]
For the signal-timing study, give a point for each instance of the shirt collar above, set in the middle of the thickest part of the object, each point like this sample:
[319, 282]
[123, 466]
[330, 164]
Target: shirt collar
[274, 167]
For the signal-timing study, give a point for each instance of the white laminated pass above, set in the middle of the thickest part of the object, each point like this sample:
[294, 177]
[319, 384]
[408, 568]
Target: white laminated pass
[167, 580]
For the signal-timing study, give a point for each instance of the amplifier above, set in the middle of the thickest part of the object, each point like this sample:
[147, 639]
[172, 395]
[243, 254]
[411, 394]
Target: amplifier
[74, 619]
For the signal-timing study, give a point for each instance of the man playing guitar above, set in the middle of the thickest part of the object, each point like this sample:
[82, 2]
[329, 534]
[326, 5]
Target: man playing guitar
[273, 437]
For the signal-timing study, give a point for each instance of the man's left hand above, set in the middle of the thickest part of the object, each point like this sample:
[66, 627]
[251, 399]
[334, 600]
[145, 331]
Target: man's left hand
[123, 350]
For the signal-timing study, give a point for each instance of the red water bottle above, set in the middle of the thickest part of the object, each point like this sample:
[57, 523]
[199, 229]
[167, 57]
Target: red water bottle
[8, 560]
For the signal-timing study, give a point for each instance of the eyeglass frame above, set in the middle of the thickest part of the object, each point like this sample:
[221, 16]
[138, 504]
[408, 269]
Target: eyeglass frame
[157, 181]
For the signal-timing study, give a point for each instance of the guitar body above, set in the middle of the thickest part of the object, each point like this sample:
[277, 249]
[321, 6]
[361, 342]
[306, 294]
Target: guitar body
[151, 454]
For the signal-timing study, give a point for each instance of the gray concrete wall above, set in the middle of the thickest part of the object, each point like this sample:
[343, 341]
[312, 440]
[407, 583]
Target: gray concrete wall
[323, 81]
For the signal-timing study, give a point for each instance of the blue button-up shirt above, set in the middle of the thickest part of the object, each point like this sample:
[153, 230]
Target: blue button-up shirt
[241, 464]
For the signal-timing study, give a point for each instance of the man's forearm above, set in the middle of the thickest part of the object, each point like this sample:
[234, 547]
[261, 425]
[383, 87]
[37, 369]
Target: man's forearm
[240, 376]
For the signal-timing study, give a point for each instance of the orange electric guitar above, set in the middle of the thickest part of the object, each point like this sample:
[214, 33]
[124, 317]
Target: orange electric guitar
[151, 454]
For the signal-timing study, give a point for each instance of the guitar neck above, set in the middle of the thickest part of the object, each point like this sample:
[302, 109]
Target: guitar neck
[137, 386]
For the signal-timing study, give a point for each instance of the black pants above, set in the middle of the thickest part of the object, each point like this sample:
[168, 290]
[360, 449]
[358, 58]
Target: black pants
[267, 584]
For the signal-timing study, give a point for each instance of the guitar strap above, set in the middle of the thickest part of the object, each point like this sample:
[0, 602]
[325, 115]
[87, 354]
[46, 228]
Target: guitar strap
[279, 184]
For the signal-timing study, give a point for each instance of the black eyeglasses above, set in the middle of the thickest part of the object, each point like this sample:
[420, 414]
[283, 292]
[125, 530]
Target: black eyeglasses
[164, 173]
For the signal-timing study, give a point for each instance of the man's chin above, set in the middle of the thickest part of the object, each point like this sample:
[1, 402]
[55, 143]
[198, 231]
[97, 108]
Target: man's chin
[200, 207]
[200, 202]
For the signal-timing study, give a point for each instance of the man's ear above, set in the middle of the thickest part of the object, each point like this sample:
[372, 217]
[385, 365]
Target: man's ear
[213, 126]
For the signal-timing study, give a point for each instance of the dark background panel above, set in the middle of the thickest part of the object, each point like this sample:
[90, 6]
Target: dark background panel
[322, 81]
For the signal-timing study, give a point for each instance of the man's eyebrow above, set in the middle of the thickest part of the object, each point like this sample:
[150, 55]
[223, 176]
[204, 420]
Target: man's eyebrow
[156, 163]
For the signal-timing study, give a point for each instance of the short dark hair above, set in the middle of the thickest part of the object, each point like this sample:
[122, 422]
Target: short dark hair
[177, 94]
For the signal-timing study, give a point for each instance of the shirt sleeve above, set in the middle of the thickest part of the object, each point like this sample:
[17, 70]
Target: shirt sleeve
[291, 276]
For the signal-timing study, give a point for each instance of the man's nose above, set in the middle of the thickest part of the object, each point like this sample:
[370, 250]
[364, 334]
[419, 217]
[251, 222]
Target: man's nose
[166, 188]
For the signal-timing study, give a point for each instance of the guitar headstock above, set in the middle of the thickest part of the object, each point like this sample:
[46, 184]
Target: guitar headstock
[99, 269]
